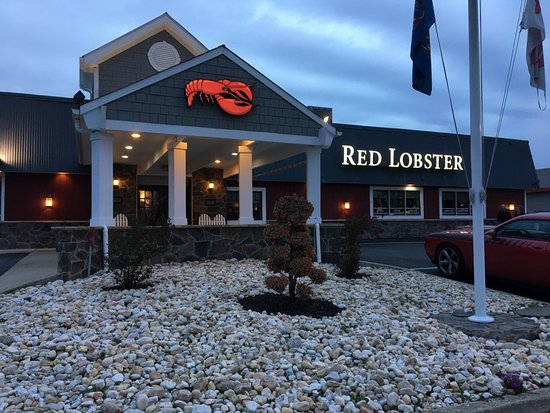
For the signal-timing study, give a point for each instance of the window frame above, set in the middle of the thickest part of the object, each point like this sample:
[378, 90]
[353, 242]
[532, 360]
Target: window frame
[454, 217]
[264, 205]
[397, 188]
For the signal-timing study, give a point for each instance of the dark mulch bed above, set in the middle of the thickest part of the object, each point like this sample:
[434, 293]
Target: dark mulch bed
[278, 303]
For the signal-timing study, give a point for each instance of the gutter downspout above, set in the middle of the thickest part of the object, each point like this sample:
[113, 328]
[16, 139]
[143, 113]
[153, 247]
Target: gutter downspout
[318, 242]
[105, 247]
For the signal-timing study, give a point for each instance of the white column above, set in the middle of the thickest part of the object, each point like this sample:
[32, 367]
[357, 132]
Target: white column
[177, 181]
[245, 186]
[102, 180]
[313, 183]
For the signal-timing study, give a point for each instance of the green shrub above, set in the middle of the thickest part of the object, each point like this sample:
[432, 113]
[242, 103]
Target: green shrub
[131, 250]
[290, 251]
[354, 228]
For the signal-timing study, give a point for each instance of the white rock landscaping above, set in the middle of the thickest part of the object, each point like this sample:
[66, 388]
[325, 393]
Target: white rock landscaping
[186, 345]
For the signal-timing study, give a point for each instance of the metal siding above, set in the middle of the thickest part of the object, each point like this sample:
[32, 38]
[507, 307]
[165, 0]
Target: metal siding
[513, 166]
[37, 134]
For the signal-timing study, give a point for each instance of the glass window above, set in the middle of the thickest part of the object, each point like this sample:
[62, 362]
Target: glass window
[396, 202]
[381, 202]
[257, 205]
[455, 203]
[232, 205]
[527, 229]
[412, 199]
[148, 199]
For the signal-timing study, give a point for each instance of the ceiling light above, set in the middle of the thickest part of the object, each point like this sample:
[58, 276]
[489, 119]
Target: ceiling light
[136, 135]
[217, 161]
[124, 156]
[234, 153]
[129, 147]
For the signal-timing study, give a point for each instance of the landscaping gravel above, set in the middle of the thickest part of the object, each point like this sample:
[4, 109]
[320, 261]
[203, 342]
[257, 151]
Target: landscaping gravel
[186, 345]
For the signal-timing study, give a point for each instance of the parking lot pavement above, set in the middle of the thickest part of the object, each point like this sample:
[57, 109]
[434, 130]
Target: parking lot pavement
[410, 255]
[400, 254]
[35, 266]
[9, 259]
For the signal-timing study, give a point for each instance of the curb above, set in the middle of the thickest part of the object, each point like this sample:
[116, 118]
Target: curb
[32, 284]
[536, 401]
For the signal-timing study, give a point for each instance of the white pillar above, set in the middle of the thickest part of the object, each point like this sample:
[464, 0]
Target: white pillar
[313, 183]
[177, 181]
[102, 180]
[477, 193]
[245, 186]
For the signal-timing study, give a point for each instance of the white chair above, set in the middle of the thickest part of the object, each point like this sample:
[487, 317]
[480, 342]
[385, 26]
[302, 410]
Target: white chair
[218, 220]
[121, 220]
[204, 219]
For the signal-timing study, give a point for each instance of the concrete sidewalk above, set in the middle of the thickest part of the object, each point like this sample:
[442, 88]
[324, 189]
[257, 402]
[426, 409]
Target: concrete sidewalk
[37, 267]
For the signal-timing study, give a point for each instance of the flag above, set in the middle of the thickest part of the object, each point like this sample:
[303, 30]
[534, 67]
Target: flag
[424, 17]
[533, 22]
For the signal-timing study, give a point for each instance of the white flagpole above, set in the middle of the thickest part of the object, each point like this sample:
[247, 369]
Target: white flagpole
[477, 194]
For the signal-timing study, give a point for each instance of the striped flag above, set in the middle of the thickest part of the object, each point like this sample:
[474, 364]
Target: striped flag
[533, 22]
[420, 46]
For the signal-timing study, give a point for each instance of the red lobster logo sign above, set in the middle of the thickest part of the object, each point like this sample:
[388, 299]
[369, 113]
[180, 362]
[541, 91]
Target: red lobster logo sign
[234, 98]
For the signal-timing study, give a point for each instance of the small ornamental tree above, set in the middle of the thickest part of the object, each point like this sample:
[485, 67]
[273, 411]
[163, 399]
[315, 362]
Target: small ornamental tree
[290, 251]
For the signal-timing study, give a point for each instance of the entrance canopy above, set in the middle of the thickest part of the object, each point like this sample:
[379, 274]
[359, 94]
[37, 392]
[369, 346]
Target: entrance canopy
[214, 104]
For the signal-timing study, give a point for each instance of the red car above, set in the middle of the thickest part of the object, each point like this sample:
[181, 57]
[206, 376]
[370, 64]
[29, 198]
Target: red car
[518, 249]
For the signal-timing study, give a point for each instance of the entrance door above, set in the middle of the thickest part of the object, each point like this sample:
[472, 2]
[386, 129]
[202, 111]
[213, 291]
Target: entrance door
[152, 204]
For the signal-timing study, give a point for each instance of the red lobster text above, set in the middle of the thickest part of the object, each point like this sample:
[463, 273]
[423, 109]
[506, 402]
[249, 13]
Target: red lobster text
[234, 98]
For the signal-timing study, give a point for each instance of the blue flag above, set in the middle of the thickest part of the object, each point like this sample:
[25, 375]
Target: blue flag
[424, 17]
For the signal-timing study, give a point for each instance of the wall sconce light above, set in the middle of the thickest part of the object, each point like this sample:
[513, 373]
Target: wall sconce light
[210, 186]
[48, 201]
[116, 182]
[347, 205]
[511, 207]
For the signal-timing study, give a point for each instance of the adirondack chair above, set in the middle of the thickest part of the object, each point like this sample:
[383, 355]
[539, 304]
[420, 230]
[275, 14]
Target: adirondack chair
[121, 220]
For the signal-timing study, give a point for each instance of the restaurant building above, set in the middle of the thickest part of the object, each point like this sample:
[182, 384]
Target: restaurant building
[174, 131]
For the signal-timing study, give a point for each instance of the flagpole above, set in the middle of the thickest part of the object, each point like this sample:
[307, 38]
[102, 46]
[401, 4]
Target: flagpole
[477, 194]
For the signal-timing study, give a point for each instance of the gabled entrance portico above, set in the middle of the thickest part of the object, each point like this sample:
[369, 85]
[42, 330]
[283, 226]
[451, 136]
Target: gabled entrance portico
[176, 140]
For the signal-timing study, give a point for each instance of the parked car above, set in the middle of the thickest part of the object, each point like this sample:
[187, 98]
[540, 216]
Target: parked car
[518, 249]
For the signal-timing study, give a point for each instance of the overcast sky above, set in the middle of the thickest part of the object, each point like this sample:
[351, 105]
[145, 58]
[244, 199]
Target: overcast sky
[350, 55]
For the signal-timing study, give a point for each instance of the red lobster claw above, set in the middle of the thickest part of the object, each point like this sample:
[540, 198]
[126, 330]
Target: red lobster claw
[234, 98]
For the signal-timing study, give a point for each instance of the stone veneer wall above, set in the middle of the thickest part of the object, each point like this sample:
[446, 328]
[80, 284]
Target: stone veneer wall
[73, 248]
[29, 234]
[125, 196]
[192, 243]
[202, 196]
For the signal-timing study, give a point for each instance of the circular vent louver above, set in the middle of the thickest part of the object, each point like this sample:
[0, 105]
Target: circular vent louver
[163, 55]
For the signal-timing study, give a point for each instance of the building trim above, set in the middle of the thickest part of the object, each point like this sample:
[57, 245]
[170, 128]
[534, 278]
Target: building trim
[233, 134]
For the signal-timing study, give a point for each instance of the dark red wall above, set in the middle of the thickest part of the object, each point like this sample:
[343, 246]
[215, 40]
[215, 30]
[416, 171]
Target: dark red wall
[495, 197]
[26, 193]
[275, 190]
[334, 195]
[431, 203]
